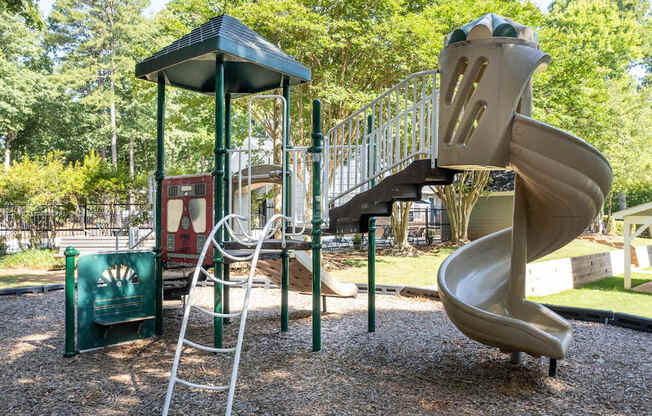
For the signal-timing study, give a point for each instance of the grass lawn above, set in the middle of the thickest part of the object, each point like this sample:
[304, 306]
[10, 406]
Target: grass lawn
[394, 270]
[32, 259]
[577, 248]
[24, 277]
[422, 270]
[607, 294]
[30, 268]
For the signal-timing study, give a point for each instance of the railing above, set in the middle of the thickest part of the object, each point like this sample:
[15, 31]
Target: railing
[381, 138]
[426, 226]
[109, 217]
[245, 159]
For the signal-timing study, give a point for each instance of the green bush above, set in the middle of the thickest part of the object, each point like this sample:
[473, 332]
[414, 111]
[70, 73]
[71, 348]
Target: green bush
[357, 241]
[32, 259]
[619, 229]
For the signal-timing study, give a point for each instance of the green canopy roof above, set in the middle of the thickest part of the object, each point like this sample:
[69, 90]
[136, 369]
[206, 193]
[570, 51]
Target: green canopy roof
[252, 64]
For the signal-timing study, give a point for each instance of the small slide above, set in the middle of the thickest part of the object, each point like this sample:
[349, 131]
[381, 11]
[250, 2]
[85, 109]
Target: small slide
[560, 185]
[301, 276]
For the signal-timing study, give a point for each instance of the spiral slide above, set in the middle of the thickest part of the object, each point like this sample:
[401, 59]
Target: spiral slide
[561, 182]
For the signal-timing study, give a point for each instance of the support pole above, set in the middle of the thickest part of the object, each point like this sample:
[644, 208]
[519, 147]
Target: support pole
[371, 276]
[552, 368]
[70, 350]
[516, 357]
[227, 197]
[316, 150]
[159, 175]
[285, 255]
[371, 247]
[218, 195]
[628, 254]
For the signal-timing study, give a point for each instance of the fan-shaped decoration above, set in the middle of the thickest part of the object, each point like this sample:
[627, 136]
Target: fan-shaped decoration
[118, 274]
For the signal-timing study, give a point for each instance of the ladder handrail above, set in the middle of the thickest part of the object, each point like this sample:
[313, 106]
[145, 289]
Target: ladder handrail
[242, 314]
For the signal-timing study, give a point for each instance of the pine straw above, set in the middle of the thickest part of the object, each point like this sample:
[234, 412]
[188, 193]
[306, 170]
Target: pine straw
[416, 363]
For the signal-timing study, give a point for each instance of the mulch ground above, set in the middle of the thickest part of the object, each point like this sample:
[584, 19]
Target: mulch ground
[417, 363]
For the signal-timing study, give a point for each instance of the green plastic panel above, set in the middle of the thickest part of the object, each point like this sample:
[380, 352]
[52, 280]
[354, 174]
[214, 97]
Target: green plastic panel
[116, 299]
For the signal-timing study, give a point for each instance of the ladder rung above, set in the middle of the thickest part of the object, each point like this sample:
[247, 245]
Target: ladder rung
[224, 282]
[205, 348]
[200, 386]
[216, 314]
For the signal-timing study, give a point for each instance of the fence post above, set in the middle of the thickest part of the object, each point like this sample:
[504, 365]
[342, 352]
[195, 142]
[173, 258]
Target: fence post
[70, 254]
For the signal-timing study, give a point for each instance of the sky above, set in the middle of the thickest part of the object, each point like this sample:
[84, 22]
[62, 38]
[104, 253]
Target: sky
[156, 5]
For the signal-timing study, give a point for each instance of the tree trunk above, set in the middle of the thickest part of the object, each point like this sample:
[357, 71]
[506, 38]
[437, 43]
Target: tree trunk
[10, 138]
[114, 130]
[400, 221]
[622, 200]
[598, 222]
[459, 198]
[132, 173]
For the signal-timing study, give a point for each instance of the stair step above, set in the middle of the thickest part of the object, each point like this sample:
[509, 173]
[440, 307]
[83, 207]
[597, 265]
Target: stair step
[353, 216]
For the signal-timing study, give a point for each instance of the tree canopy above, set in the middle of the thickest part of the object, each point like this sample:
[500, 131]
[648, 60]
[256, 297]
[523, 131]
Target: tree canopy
[69, 86]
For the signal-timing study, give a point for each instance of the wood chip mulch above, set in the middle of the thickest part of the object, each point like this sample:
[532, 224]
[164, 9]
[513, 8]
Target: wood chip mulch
[417, 363]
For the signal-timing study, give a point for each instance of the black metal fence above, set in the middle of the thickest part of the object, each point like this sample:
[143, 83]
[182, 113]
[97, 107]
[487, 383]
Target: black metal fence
[109, 217]
[426, 226]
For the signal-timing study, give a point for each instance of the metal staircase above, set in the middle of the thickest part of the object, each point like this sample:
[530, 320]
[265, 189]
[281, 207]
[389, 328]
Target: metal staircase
[382, 153]
[252, 254]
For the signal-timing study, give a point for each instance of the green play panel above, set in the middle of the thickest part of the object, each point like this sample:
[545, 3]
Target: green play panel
[115, 298]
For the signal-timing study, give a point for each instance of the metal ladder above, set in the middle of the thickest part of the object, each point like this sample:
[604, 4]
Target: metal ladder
[256, 245]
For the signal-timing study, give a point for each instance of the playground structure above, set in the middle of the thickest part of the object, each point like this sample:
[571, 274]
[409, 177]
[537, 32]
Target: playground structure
[561, 182]
[408, 137]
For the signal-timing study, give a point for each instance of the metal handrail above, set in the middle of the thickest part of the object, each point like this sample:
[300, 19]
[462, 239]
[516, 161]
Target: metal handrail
[380, 138]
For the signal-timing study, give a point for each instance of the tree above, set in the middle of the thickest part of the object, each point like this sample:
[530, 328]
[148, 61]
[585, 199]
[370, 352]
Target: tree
[36, 186]
[96, 42]
[27, 9]
[21, 81]
[459, 199]
[356, 49]
[589, 90]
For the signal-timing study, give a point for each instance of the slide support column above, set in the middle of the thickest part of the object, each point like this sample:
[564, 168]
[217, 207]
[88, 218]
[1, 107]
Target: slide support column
[371, 247]
[218, 190]
[316, 150]
[226, 302]
[158, 210]
[285, 255]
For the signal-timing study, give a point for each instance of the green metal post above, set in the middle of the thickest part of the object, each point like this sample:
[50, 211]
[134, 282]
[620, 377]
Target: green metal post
[226, 304]
[285, 255]
[371, 248]
[70, 350]
[316, 150]
[159, 175]
[218, 194]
